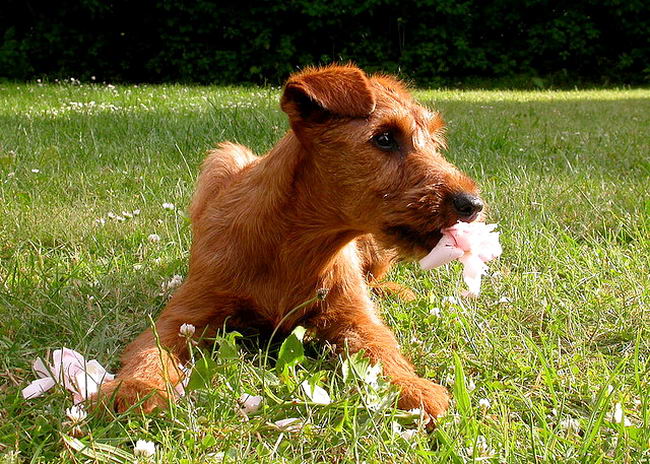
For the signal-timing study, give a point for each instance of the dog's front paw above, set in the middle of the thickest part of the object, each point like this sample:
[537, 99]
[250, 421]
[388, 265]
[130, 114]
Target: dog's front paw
[424, 394]
[123, 394]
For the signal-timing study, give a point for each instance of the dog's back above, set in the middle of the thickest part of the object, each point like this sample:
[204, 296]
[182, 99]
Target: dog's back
[219, 169]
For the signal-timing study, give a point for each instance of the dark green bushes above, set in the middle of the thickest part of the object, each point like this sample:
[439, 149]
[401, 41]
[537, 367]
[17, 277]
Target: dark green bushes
[431, 41]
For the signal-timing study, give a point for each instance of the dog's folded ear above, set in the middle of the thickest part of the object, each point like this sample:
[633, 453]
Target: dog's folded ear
[316, 93]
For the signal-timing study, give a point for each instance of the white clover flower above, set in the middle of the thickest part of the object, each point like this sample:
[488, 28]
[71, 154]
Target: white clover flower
[76, 414]
[144, 448]
[619, 416]
[371, 376]
[482, 446]
[435, 312]
[481, 449]
[570, 424]
[484, 403]
[407, 434]
[450, 300]
[417, 416]
[169, 206]
[172, 284]
[186, 330]
[250, 404]
[471, 386]
[154, 238]
[618, 413]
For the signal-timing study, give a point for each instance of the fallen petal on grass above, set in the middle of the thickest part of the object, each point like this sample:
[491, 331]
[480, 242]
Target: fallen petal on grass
[316, 394]
[250, 404]
[71, 370]
[291, 425]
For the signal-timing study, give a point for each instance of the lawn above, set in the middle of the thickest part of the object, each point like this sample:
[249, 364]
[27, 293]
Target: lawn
[550, 364]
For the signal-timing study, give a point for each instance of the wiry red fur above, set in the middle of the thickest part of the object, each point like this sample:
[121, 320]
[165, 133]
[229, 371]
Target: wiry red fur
[325, 208]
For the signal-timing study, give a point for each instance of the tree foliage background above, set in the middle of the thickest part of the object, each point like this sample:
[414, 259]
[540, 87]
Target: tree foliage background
[430, 41]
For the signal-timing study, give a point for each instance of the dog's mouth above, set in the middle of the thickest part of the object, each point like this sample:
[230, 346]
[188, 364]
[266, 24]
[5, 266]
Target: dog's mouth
[412, 242]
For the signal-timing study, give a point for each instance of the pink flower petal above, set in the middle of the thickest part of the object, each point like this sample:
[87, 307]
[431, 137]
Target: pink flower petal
[42, 371]
[444, 252]
[292, 425]
[70, 369]
[179, 388]
[89, 378]
[77, 398]
[250, 404]
[473, 244]
[97, 372]
[84, 385]
[67, 364]
[38, 387]
[473, 269]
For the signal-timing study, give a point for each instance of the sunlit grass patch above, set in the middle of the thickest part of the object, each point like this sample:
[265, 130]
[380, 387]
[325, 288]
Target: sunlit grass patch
[550, 364]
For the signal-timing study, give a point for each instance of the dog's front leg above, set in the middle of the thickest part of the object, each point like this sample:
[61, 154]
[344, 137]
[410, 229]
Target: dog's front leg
[362, 329]
[150, 364]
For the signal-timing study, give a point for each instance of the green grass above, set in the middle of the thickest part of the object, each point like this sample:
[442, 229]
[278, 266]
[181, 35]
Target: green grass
[559, 336]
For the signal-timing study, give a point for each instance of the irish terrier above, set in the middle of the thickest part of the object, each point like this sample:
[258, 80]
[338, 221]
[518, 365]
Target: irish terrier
[356, 182]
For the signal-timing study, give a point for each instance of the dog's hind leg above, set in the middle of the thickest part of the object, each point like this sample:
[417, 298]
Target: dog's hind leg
[150, 373]
[218, 169]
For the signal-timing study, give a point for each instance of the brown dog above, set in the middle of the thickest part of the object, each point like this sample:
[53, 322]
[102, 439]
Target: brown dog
[356, 181]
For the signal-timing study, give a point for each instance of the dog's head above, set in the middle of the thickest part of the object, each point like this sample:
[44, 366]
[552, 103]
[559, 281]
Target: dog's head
[381, 152]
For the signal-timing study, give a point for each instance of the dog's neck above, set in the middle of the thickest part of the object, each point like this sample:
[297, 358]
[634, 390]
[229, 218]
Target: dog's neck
[304, 199]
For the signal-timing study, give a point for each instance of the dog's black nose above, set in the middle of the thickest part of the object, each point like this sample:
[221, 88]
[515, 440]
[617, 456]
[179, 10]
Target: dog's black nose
[466, 205]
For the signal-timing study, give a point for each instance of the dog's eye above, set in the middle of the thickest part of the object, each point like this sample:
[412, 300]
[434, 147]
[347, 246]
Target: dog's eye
[385, 141]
